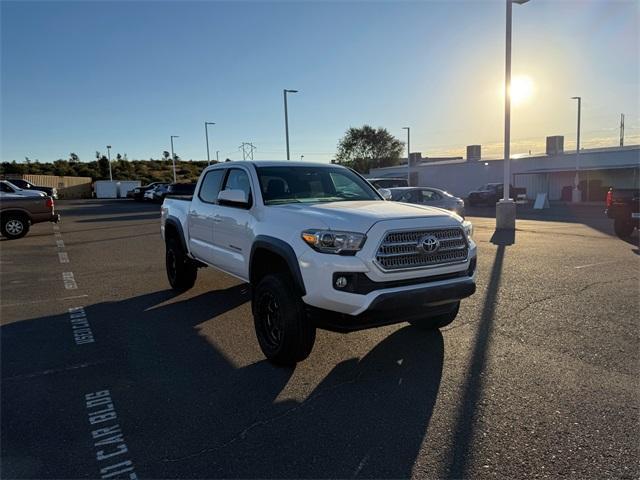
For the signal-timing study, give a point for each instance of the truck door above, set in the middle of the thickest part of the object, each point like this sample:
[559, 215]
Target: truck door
[201, 217]
[233, 233]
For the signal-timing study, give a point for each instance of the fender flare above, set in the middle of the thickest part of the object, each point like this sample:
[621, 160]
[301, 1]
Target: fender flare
[175, 223]
[284, 250]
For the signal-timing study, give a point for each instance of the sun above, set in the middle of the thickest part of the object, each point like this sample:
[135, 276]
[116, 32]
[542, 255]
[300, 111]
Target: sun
[522, 89]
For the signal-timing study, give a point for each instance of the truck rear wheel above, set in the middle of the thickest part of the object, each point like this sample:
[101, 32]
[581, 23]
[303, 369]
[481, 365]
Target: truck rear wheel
[623, 228]
[439, 321]
[285, 334]
[14, 226]
[181, 270]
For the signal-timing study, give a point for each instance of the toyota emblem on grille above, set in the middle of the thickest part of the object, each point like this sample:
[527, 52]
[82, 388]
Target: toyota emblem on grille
[429, 244]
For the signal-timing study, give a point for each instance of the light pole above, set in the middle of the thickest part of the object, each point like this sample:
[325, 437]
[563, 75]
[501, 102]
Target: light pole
[173, 158]
[217, 156]
[301, 157]
[286, 117]
[109, 158]
[575, 193]
[206, 136]
[506, 207]
[408, 129]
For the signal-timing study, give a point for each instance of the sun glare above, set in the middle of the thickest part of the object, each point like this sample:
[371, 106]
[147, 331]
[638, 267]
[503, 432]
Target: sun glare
[521, 89]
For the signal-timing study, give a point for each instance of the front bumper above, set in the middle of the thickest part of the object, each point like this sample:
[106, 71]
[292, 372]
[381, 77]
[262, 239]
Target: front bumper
[395, 307]
[374, 289]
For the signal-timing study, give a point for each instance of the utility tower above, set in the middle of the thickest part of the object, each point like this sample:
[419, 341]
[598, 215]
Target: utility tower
[247, 150]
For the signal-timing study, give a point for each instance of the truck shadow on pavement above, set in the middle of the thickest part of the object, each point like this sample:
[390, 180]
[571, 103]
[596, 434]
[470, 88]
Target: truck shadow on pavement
[461, 451]
[187, 411]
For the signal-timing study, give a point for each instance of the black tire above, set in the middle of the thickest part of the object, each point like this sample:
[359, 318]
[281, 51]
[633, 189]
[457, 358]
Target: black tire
[14, 226]
[285, 333]
[439, 321]
[181, 270]
[623, 228]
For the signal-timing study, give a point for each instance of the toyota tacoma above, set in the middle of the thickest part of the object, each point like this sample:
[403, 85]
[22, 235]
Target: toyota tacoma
[320, 248]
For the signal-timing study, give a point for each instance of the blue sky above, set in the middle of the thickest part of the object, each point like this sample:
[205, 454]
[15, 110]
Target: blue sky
[77, 76]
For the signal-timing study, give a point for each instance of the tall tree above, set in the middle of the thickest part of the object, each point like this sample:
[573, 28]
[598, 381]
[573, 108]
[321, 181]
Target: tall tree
[367, 147]
[103, 166]
[73, 158]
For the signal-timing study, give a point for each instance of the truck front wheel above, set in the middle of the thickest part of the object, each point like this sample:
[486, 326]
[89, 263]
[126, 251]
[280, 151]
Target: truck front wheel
[439, 321]
[624, 228]
[285, 334]
[181, 270]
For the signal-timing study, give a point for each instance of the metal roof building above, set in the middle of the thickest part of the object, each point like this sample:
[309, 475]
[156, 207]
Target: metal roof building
[552, 173]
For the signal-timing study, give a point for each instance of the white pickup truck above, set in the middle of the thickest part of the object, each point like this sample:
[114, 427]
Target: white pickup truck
[321, 248]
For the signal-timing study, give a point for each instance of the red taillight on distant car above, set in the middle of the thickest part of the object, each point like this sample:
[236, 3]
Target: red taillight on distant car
[49, 202]
[609, 198]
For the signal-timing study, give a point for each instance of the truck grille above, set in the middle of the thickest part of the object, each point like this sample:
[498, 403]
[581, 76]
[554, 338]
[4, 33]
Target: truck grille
[402, 249]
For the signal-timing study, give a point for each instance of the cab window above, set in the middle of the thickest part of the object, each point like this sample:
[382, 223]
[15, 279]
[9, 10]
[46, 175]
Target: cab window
[211, 186]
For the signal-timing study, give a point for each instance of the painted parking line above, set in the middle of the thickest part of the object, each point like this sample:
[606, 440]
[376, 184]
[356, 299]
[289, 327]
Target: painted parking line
[63, 257]
[69, 281]
[80, 324]
[47, 300]
[107, 438]
[60, 243]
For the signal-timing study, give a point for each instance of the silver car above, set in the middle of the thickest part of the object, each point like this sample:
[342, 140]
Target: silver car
[432, 197]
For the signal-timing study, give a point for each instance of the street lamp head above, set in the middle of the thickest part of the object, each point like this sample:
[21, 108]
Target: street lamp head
[576, 98]
[108, 146]
[209, 123]
[405, 128]
[291, 91]
[519, 2]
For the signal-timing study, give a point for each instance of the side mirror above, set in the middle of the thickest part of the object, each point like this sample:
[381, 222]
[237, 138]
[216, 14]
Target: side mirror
[386, 194]
[234, 198]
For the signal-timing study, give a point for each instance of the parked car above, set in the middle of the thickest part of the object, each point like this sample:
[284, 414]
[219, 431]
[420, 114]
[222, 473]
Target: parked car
[138, 193]
[623, 206]
[8, 187]
[181, 189]
[388, 182]
[490, 193]
[157, 193]
[25, 185]
[19, 212]
[432, 197]
[321, 249]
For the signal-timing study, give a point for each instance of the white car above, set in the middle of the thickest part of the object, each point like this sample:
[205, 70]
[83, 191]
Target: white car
[8, 187]
[321, 248]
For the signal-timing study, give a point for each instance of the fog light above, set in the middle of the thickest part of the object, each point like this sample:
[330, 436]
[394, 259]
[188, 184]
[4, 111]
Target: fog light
[341, 282]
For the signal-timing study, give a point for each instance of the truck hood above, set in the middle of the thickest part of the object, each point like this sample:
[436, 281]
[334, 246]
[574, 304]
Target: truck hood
[360, 216]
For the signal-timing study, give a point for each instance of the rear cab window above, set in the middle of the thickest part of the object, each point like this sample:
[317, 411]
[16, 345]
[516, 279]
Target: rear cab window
[210, 186]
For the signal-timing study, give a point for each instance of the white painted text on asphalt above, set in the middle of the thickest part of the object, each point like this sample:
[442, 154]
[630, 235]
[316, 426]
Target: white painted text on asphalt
[69, 281]
[107, 437]
[81, 329]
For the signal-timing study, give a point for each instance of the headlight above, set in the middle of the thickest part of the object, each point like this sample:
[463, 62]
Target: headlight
[468, 228]
[330, 241]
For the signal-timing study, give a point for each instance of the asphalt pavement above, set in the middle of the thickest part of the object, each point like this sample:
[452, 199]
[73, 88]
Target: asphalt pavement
[107, 373]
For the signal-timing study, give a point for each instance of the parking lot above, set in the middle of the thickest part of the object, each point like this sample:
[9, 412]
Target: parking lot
[106, 372]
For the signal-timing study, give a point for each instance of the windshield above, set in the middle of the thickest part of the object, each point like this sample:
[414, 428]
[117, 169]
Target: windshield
[281, 185]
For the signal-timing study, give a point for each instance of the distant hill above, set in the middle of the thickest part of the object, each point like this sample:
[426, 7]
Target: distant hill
[146, 171]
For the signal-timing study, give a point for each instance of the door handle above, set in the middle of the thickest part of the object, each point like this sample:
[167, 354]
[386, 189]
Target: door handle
[217, 219]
